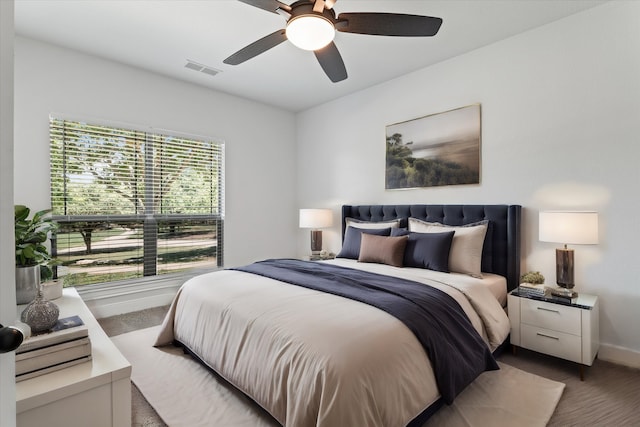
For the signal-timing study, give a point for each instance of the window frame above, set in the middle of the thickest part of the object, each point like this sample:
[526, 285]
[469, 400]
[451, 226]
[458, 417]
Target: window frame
[150, 220]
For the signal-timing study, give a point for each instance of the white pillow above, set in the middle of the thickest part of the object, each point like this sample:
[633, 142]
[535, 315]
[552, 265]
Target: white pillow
[369, 225]
[466, 248]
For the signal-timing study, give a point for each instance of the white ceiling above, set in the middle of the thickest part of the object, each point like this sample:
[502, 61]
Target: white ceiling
[160, 35]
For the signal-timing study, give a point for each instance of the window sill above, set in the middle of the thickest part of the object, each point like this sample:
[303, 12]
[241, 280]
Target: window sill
[110, 299]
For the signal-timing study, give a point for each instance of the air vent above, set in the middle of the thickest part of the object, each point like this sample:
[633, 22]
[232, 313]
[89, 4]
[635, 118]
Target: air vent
[193, 66]
[210, 71]
[202, 68]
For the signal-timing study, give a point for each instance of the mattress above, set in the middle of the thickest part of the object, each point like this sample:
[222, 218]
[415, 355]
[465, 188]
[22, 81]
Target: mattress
[316, 359]
[496, 284]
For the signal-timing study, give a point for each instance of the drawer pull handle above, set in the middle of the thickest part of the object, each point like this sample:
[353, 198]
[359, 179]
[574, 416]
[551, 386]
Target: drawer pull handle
[547, 309]
[547, 336]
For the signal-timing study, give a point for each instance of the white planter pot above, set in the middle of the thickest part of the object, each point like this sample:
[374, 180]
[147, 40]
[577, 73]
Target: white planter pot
[52, 290]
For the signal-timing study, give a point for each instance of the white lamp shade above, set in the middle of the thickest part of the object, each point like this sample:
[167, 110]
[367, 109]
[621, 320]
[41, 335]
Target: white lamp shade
[310, 32]
[576, 228]
[316, 218]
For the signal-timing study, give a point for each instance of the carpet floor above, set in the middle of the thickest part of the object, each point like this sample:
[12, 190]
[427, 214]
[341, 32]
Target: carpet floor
[185, 394]
[609, 396]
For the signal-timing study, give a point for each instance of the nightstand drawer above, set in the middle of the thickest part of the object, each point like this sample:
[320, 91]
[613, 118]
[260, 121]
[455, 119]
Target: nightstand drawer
[565, 346]
[551, 316]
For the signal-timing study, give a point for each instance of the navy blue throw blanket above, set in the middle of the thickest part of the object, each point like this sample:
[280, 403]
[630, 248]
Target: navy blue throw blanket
[456, 350]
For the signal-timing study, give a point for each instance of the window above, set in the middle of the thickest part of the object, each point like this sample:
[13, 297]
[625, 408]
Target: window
[133, 202]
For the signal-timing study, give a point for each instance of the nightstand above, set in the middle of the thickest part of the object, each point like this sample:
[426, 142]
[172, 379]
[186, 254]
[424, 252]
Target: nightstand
[96, 393]
[568, 329]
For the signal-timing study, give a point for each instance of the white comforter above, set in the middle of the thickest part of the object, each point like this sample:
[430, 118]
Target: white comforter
[316, 359]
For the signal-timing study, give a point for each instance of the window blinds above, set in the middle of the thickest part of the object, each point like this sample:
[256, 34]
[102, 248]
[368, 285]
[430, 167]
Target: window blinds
[132, 202]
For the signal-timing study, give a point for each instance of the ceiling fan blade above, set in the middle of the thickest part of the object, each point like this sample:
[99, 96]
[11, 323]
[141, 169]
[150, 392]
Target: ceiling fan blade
[257, 47]
[388, 24]
[331, 62]
[268, 5]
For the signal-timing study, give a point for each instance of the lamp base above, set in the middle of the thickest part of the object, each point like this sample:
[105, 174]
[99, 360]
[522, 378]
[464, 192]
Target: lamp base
[316, 242]
[564, 268]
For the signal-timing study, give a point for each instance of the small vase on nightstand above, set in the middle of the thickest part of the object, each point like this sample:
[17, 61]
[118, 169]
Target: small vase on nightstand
[40, 314]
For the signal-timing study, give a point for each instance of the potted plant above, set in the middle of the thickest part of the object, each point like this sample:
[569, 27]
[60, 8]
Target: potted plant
[32, 256]
[532, 277]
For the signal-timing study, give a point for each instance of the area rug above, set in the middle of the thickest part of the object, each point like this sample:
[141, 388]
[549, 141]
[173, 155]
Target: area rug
[184, 393]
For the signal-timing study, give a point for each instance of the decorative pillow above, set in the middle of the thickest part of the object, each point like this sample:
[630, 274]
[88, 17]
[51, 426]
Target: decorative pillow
[466, 248]
[426, 250]
[382, 249]
[352, 222]
[353, 236]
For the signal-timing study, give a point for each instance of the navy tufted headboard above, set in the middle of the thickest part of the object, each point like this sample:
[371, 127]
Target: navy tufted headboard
[501, 251]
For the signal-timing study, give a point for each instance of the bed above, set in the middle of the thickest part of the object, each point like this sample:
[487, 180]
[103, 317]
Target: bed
[312, 356]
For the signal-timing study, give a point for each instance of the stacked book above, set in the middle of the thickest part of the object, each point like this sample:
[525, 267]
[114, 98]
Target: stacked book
[528, 289]
[66, 344]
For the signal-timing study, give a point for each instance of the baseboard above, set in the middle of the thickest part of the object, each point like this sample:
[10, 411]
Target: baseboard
[101, 308]
[120, 300]
[619, 355]
[111, 299]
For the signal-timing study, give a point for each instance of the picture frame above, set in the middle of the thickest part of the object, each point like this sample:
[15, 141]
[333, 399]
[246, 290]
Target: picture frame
[435, 150]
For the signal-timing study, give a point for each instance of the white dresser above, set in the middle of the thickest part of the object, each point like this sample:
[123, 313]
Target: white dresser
[568, 330]
[95, 393]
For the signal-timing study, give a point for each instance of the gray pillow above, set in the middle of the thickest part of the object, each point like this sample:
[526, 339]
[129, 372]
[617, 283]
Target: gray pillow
[352, 222]
[426, 250]
[382, 249]
[352, 238]
[466, 248]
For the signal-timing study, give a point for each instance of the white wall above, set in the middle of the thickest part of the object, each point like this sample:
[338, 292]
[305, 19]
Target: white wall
[560, 109]
[259, 139]
[7, 251]
[560, 126]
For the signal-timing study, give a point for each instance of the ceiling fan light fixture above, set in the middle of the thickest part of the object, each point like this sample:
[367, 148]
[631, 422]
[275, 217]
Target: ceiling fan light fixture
[310, 32]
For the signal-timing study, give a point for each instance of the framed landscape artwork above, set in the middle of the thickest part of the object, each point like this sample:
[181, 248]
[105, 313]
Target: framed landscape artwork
[439, 149]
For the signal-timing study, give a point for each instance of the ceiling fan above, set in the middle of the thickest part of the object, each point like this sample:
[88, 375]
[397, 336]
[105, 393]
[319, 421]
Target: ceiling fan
[311, 25]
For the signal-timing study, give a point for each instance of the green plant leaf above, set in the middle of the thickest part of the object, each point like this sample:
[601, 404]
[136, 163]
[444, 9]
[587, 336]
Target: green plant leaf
[30, 234]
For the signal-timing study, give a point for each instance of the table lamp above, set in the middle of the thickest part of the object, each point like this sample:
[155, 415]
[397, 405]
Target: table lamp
[575, 228]
[315, 219]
